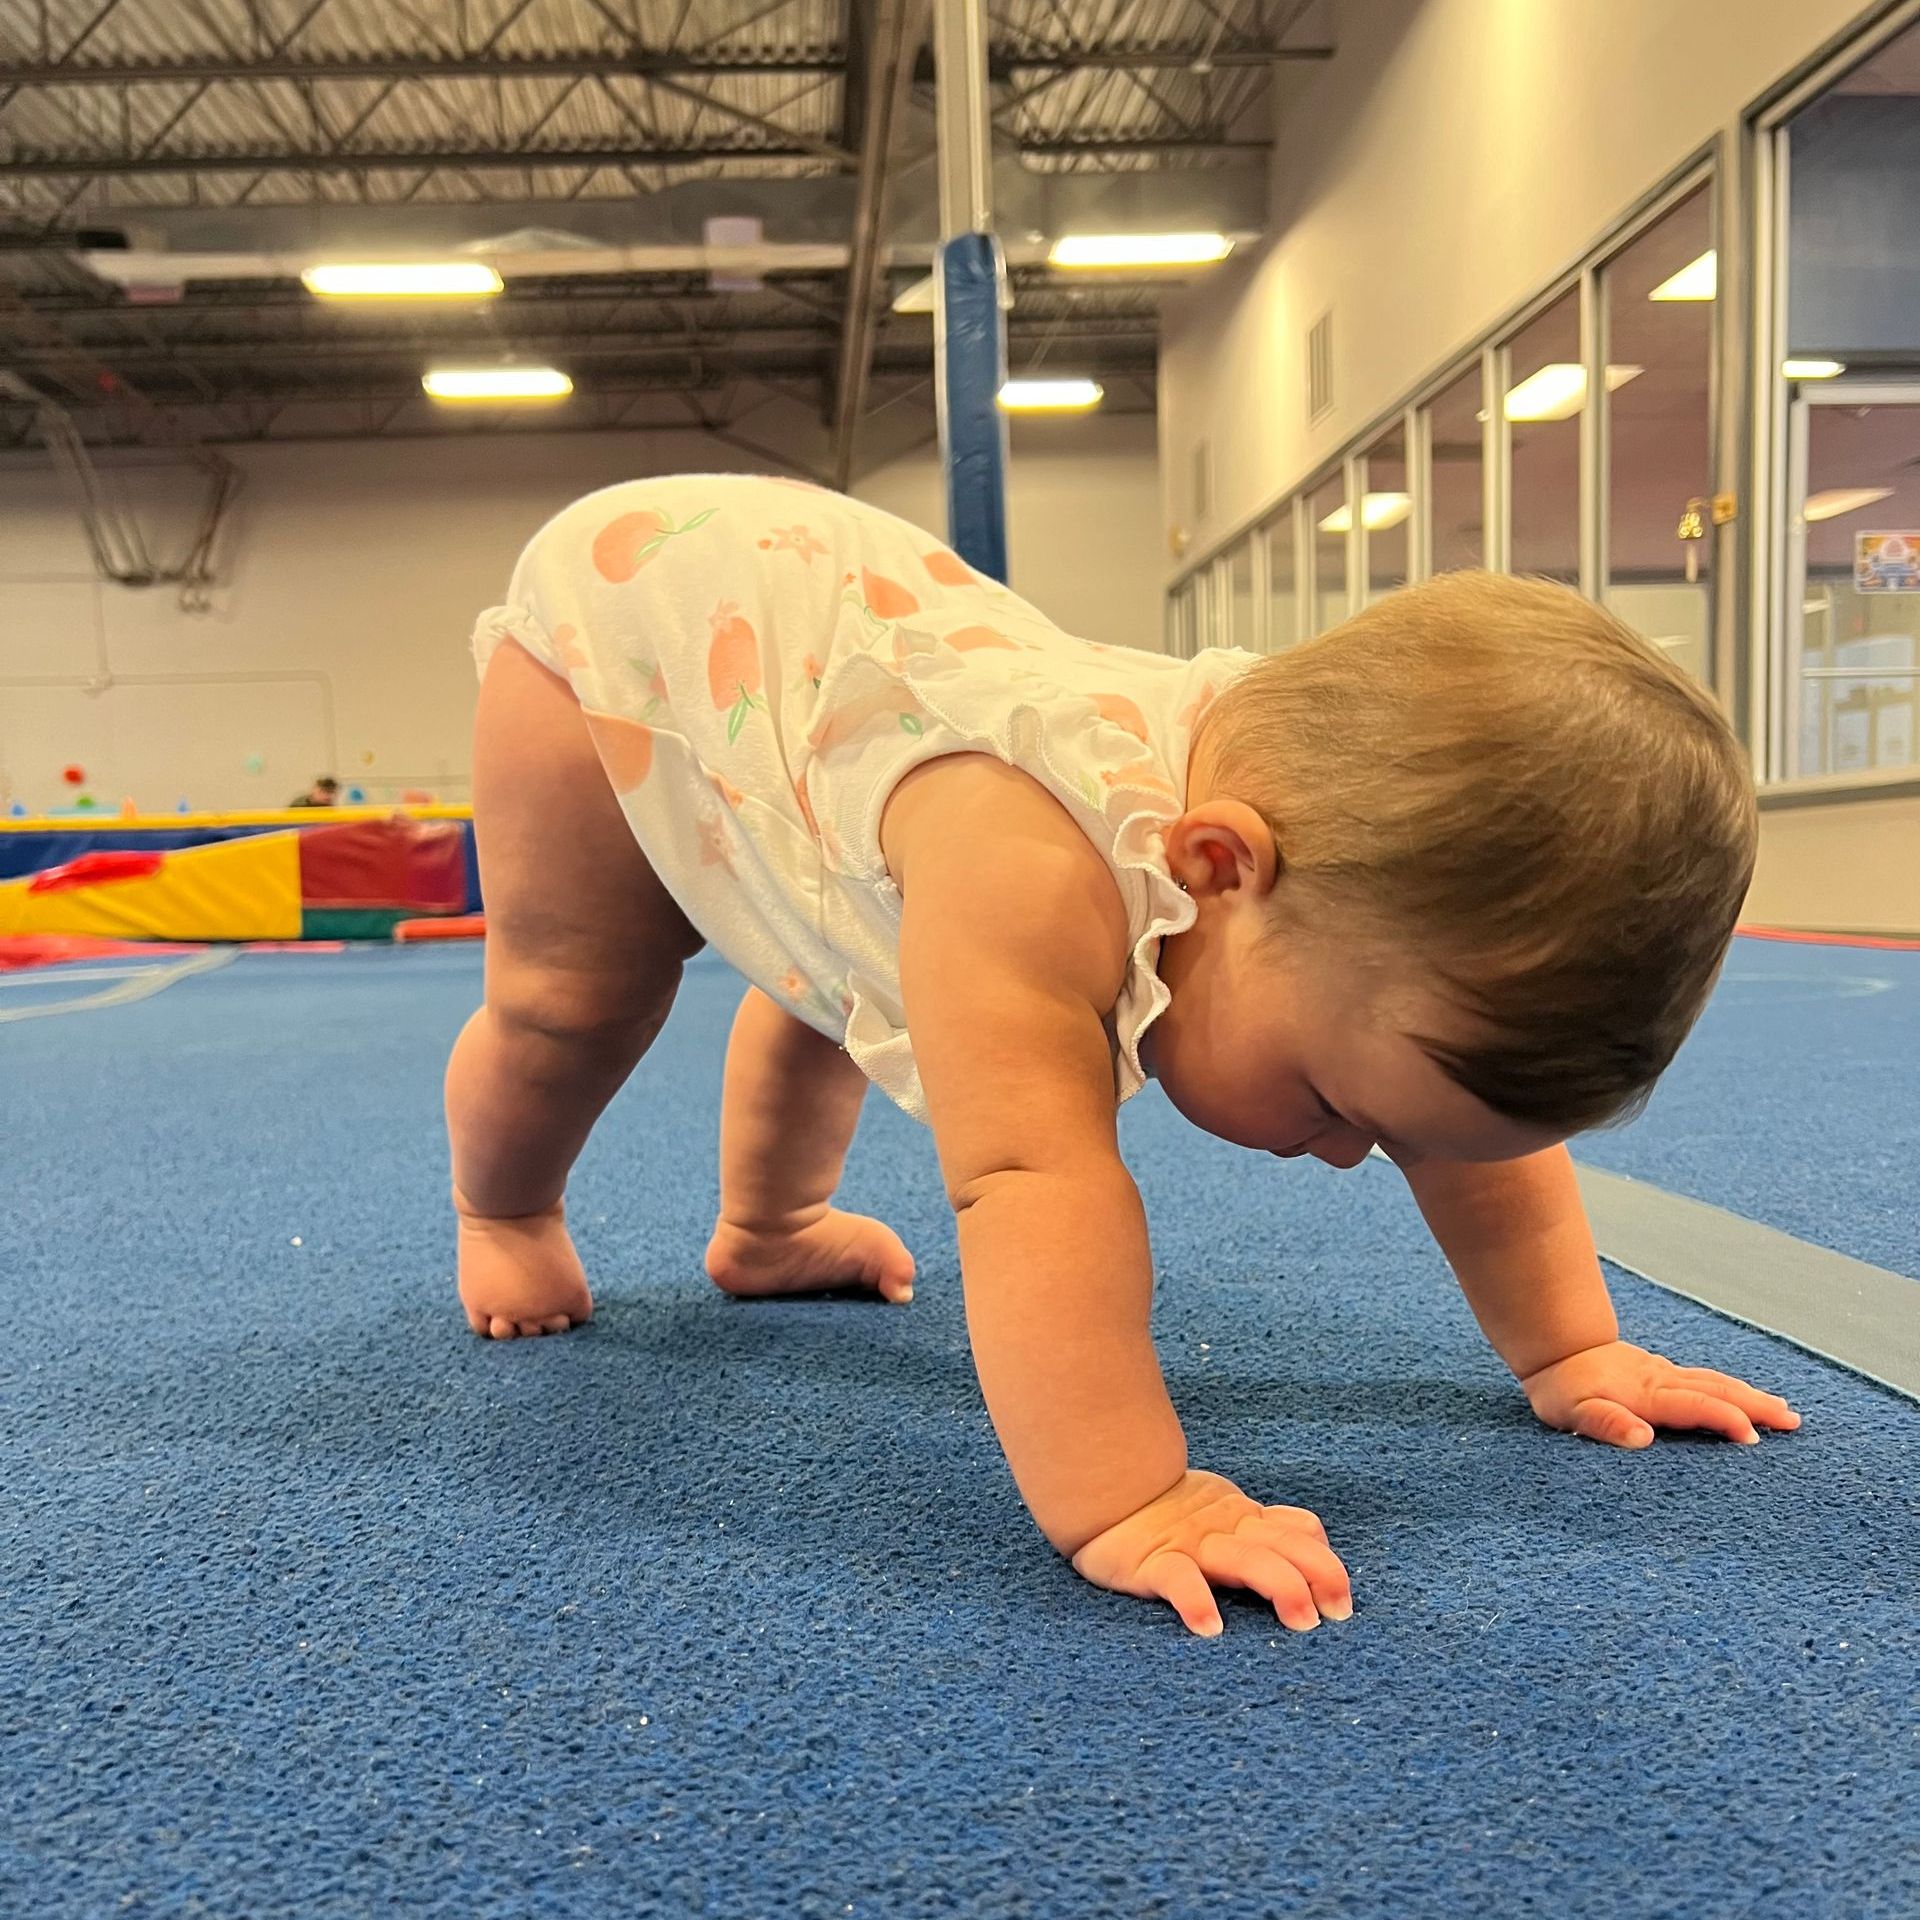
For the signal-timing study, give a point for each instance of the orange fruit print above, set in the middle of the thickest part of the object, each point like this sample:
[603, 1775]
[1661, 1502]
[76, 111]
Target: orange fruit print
[948, 568]
[625, 748]
[886, 598]
[625, 545]
[733, 666]
[966, 639]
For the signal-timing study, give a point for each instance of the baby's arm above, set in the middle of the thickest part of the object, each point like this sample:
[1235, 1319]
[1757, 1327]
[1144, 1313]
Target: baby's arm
[1012, 943]
[1013, 947]
[1517, 1238]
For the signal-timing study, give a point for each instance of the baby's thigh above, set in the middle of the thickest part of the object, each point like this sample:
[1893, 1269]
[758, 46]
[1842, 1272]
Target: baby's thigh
[579, 927]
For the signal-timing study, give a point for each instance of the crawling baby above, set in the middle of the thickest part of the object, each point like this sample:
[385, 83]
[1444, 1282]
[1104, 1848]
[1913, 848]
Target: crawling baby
[1453, 880]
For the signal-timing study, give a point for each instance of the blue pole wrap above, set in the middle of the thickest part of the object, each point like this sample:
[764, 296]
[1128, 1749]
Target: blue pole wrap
[970, 358]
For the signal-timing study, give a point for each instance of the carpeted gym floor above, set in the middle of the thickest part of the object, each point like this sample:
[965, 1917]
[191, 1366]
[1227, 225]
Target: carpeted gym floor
[313, 1604]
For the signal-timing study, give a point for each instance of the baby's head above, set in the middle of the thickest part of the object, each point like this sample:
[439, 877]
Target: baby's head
[1465, 870]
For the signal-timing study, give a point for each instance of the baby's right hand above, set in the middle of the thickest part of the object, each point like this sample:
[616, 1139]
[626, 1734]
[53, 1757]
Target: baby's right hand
[1204, 1528]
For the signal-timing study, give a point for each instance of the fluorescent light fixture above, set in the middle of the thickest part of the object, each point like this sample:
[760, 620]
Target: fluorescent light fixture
[1559, 390]
[1812, 369]
[1838, 500]
[1050, 396]
[1697, 280]
[1139, 250]
[497, 383]
[402, 280]
[1378, 512]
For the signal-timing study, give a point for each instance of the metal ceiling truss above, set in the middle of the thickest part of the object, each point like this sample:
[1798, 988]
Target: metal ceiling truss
[135, 113]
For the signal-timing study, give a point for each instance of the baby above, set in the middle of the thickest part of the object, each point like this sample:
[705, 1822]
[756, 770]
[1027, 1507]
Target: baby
[1452, 881]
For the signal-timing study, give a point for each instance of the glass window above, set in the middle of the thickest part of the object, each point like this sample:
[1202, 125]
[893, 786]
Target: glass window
[1459, 535]
[1237, 579]
[1328, 507]
[1857, 684]
[1387, 509]
[1849, 673]
[1283, 594]
[1659, 342]
[1546, 390]
[1180, 611]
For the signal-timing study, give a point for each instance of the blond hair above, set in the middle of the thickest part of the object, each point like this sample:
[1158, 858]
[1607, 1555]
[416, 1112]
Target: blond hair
[1497, 778]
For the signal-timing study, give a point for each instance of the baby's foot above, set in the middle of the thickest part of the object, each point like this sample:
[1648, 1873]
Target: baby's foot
[520, 1277]
[837, 1250]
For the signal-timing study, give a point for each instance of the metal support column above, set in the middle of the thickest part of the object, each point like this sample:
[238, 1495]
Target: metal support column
[970, 329]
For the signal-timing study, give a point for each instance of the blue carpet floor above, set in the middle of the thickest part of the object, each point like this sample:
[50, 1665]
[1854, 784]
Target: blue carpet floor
[312, 1604]
[1795, 1101]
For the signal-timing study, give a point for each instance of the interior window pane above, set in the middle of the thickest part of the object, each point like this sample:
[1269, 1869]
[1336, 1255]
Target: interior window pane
[1283, 596]
[1858, 683]
[1458, 525]
[1851, 669]
[1239, 573]
[1388, 508]
[1546, 390]
[1328, 508]
[1660, 433]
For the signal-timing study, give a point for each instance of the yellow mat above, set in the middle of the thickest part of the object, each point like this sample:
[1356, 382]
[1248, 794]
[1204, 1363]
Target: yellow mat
[231, 890]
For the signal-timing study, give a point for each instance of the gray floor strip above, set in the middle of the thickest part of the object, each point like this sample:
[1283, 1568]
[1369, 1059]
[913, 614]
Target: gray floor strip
[1862, 1316]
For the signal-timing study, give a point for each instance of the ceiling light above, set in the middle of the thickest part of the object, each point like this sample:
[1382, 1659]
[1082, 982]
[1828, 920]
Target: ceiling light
[1378, 512]
[497, 383]
[1812, 369]
[1559, 390]
[1697, 280]
[1050, 396]
[1838, 500]
[402, 280]
[1139, 250]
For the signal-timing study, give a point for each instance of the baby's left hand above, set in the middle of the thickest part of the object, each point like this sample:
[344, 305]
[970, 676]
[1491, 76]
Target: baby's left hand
[1619, 1393]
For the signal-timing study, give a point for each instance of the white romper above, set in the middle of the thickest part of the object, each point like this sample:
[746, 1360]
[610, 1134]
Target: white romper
[760, 661]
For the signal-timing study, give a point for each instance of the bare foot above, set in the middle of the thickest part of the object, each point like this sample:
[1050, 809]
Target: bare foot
[837, 1250]
[519, 1278]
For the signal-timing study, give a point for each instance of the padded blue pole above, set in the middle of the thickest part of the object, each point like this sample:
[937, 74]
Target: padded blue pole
[970, 367]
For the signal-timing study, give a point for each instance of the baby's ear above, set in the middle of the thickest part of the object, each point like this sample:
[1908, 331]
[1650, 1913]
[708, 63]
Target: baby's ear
[1222, 846]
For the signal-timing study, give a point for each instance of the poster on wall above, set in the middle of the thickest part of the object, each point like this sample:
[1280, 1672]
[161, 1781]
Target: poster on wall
[1886, 562]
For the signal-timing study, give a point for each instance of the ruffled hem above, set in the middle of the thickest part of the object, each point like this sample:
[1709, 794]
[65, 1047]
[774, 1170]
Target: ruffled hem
[1159, 906]
[513, 623]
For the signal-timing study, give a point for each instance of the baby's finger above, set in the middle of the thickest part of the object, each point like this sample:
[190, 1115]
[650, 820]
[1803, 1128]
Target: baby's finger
[1686, 1407]
[1762, 1408]
[1608, 1420]
[1241, 1562]
[1299, 1518]
[1325, 1573]
[1175, 1578]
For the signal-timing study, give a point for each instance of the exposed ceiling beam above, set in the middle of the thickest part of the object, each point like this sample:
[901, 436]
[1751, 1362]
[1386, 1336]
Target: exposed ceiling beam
[24, 163]
[306, 350]
[633, 63]
[895, 31]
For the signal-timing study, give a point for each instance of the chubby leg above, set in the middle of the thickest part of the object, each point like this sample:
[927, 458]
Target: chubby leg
[584, 951]
[790, 1103]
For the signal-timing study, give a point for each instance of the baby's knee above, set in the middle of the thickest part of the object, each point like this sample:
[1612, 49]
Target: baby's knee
[615, 1012]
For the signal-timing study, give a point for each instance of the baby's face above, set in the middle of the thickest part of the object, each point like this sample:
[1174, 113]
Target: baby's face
[1307, 1050]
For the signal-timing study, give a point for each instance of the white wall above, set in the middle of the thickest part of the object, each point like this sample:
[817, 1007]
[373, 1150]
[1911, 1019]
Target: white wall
[339, 629]
[1453, 157]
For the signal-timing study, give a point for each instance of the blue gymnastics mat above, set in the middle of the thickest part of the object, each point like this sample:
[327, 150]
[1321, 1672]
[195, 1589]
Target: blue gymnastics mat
[313, 1604]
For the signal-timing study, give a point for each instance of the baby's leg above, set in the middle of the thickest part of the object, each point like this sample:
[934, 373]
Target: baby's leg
[790, 1104]
[584, 951]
